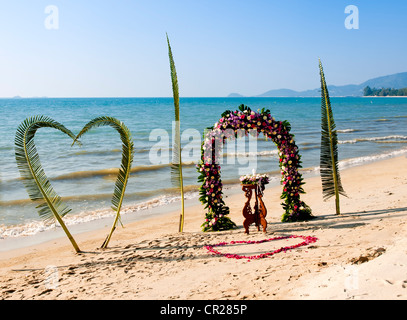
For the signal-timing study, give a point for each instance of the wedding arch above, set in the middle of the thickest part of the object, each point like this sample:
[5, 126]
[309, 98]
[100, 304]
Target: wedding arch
[229, 125]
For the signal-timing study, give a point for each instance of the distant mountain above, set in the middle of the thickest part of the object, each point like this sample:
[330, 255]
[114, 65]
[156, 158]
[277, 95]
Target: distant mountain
[234, 95]
[395, 81]
[280, 93]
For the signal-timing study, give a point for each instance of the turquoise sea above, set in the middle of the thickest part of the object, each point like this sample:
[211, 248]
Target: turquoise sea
[368, 129]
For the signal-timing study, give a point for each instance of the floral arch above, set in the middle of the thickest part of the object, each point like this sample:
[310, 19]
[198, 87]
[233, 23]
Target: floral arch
[245, 120]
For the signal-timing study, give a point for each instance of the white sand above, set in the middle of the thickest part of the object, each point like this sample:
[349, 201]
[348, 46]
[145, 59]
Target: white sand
[359, 255]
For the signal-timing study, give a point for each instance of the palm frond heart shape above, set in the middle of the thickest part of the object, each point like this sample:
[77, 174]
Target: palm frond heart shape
[49, 204]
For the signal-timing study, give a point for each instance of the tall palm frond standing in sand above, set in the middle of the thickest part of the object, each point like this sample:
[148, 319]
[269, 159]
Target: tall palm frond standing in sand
[331, 180]
[176, 165]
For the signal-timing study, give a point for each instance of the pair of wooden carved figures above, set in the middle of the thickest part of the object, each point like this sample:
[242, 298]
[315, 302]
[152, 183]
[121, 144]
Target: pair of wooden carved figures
[258, 214]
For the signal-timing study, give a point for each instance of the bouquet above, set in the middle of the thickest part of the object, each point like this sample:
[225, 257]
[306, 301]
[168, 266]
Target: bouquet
[255, 179]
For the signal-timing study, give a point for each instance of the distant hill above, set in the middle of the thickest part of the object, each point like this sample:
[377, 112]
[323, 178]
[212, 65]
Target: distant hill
[395, 81]
[234, 95]
[280, 93]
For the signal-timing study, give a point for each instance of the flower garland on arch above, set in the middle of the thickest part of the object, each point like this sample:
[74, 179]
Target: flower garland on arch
[246, 120]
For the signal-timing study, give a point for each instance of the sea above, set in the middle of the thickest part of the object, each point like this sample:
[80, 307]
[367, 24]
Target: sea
[369, 129]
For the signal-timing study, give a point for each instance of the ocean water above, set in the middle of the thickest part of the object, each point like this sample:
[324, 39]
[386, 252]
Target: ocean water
[368, 129]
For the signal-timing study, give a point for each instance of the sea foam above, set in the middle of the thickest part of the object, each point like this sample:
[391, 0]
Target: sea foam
[34, 227]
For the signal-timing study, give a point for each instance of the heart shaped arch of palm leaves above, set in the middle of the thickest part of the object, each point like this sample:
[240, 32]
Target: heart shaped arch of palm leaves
[49, 204]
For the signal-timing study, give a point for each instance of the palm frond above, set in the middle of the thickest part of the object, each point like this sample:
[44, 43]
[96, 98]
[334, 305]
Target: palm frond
[125, 167]
[49, 204]
[176, 165]
[331, 180]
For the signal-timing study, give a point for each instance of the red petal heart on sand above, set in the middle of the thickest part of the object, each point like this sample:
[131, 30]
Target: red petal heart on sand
[307, 241]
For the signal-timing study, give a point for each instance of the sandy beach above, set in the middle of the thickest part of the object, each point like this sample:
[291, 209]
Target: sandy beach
[360, 254]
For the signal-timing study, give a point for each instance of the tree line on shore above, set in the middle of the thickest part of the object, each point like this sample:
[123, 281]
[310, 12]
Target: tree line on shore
[383, 92]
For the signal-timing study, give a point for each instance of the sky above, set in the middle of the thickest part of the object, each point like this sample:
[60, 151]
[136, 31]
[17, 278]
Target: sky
[101, 48]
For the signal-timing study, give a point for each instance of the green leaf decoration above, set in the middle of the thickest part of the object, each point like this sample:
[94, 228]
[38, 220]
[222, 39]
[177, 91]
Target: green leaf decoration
[176, 165]
[50, 206]
[125, 168]
[331, 180]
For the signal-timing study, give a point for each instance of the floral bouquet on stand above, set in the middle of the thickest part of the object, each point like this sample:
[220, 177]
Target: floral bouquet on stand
[255, 179]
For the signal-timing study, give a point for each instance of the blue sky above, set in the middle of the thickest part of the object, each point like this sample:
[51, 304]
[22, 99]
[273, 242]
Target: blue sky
[119, 49]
